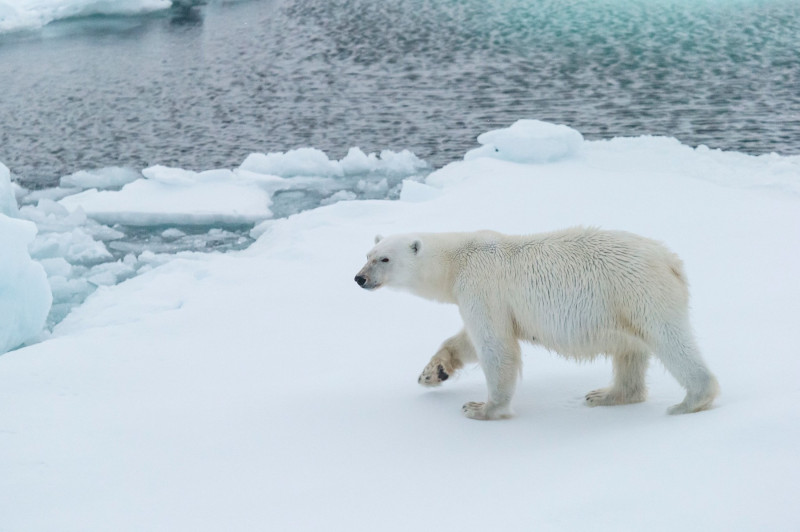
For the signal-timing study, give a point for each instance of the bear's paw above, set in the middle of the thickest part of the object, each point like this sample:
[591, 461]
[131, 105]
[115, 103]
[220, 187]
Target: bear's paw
[434, 374]
[613, 396]
[484, 411]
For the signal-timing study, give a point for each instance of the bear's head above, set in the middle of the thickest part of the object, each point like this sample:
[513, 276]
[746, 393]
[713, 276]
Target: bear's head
[391, 263]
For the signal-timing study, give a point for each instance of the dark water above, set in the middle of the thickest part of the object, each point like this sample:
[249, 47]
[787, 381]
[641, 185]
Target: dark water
[203, 88]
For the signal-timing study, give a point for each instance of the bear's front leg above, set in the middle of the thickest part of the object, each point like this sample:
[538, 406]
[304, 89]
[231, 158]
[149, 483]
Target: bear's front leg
[451, 356]
[499, 354]
[629, 385]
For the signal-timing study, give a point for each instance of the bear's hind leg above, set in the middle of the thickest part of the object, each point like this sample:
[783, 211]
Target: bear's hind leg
[629, 381]
[451, 356]
[678, 352]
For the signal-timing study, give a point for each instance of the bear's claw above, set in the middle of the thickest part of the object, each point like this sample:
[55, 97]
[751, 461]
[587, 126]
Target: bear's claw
[598, 397]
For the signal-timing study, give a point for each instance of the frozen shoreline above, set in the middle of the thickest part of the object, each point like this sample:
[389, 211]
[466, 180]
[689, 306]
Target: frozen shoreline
[234, 390]
[101, 227]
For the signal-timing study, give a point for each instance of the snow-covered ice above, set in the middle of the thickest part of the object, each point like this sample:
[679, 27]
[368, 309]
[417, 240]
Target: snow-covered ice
[30, 14]
[264, 390]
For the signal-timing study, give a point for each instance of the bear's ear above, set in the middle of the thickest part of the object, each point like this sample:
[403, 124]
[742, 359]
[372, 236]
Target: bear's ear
[378, 238]
[415, 246]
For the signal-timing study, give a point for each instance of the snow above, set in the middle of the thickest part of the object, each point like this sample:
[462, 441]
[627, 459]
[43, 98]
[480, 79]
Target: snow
[18, 15]
[263, 389]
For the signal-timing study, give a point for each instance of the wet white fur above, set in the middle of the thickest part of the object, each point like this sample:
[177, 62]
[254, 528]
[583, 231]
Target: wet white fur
[580, 292]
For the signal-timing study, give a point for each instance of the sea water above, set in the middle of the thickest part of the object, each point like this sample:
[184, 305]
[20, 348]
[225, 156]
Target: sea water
[203, 87]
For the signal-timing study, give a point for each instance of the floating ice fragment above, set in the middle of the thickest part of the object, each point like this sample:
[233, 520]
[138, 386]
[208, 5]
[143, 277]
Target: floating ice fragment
[76, 246]
[68, 291]
[19, 191]
[48, 206]
[528, 141]
[8, 201]
[311, 162]
[342, 195]
[172, 234]
[358, 162]
[56, 266]
[110, 273]
[30, 197]
[374, 189]
[172, 196]
[293, 163]
[403, 163]
[103, 178]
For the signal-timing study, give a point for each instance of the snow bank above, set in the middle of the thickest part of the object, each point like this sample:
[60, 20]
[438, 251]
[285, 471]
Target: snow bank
[30, 14]
[666, 155]
[186, 397]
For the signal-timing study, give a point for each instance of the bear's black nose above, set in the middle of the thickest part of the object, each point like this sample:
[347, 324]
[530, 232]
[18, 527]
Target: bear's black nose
[360, 279]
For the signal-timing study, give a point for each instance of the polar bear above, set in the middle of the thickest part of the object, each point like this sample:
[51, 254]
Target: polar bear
[580, 292]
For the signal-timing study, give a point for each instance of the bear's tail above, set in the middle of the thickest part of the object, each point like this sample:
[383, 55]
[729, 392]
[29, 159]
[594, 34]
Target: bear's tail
[676, 268]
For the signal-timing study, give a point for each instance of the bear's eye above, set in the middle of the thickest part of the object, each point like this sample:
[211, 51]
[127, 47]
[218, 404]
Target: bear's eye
[384, 259]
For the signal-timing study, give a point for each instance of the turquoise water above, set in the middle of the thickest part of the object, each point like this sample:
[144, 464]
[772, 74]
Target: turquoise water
[205, 87]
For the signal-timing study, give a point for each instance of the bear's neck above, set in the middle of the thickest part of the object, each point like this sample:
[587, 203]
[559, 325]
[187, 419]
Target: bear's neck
[434, 286]
[435, 275]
